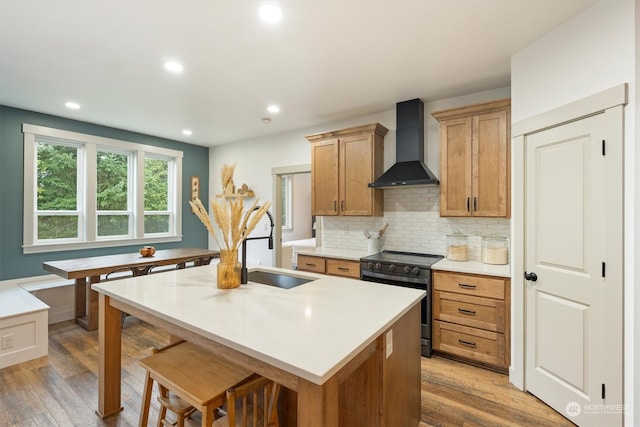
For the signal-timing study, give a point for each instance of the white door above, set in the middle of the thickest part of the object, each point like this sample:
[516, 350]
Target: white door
[573, 234]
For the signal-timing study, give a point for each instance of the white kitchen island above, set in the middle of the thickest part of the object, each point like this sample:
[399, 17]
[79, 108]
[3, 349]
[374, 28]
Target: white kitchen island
[349, 351]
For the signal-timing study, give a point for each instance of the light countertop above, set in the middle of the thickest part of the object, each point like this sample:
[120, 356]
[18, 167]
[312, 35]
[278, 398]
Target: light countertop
[348, 254]
[312, 330]
[472, 267]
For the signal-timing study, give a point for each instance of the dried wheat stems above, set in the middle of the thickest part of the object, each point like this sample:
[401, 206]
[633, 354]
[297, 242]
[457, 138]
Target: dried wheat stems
[234, 224]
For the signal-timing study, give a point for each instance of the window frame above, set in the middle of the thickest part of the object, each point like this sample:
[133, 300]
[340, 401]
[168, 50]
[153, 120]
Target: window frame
[287, 202]
[87, 175]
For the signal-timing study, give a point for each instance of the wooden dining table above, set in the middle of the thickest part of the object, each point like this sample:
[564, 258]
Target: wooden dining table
[93, 268]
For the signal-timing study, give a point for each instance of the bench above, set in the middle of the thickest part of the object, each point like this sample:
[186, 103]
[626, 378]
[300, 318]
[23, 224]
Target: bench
[23, 326]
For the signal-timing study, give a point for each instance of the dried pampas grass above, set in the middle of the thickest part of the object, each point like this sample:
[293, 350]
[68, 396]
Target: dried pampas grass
[234, 224]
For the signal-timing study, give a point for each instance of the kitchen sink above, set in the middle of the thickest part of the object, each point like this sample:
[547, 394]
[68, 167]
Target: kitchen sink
[279, 280]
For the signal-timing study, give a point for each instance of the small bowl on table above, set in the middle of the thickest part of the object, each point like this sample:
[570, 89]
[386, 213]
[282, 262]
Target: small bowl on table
[147, 251]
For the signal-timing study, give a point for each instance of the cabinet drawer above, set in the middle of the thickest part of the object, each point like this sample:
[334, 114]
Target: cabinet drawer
[483, 313]
[311, 263]
[481, 346]
[481, 286]
[341, 267]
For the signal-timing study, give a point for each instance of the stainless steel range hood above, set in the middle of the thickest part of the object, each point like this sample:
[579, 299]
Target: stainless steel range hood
[409, 168]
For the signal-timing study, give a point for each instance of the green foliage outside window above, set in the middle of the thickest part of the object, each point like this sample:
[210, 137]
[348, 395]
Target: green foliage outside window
[57, 190]
[156, 195]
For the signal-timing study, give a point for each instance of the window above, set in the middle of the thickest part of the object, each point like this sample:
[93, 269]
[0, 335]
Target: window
[287, 209]
[81, 191]
[113, 193]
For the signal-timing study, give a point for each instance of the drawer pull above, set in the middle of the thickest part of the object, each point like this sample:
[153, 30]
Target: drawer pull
[468, 312]
[466, 286]
[343, 269]
[467, 343]
[308, 264]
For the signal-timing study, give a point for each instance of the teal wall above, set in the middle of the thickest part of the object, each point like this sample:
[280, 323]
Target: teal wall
[13, 263]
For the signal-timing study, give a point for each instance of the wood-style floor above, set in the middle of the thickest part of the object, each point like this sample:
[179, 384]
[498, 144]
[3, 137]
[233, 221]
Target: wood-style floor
[62, 390]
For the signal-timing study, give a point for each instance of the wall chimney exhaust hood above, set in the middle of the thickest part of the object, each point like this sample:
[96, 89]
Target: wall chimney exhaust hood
[409, 169]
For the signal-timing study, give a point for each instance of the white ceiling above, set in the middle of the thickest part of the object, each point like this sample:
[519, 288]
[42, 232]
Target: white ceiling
[327, 60]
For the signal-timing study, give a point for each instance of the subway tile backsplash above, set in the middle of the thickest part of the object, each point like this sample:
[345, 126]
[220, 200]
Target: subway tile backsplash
[413, 215]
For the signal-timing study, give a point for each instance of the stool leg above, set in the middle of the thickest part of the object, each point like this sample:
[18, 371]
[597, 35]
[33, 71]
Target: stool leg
[146, 400]
[164, 392]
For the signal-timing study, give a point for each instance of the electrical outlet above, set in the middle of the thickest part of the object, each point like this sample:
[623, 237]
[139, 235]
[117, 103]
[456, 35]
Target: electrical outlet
[345, 229]
[7, 342]
[389, 343]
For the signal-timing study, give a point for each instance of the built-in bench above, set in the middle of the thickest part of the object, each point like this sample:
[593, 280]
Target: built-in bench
[23, 326]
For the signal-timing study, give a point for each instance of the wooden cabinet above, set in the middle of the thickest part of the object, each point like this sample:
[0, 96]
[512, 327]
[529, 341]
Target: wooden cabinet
[331, 266]
[471, 318]
[475, 160]
[343, 163]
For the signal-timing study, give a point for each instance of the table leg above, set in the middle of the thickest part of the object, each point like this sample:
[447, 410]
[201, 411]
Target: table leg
[92, 305]
[318, 404]
[109, 359]
[81, 291]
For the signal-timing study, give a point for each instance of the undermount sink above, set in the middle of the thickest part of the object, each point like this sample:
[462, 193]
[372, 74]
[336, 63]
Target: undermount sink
[279, 280]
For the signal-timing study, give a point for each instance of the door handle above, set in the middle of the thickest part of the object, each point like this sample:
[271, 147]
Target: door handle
[530, 276]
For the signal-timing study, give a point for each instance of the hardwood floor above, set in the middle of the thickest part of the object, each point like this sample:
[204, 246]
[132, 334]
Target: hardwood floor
[61, 389]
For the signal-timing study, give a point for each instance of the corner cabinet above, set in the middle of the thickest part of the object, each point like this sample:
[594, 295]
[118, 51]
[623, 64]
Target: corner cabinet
[475, 160]
[343, 163]
[471, 318]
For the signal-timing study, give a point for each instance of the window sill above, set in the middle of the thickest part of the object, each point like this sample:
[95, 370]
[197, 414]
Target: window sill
[59, 247]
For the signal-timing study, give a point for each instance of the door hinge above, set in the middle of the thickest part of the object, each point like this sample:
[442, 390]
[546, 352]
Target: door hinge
[604, 269]
[603, 391]
[604, 150]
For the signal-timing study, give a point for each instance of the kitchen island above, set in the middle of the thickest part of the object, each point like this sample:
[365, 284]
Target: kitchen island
[349, 351]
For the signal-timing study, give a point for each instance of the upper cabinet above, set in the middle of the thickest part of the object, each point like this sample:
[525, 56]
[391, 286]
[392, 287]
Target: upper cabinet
[343, 163]
[475, 160]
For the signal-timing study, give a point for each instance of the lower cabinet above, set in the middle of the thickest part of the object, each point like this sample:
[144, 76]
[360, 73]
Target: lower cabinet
[331, 266]
[471, 318]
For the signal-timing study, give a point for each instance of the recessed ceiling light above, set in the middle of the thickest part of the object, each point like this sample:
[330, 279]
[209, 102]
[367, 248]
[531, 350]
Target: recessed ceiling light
[187, 132]
[273, 109]
[72, 105]
[173, 66]
[266, 120]
[270, 13]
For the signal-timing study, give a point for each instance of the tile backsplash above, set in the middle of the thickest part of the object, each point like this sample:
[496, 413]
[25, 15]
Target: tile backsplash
[413, 215]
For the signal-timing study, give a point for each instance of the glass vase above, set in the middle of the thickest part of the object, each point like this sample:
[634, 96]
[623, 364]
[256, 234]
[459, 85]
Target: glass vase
[228, 269]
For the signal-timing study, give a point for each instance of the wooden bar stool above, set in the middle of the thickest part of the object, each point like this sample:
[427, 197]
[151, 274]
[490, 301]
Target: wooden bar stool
[189, 378]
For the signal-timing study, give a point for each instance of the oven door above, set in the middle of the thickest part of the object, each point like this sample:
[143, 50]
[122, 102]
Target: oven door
[425, 304]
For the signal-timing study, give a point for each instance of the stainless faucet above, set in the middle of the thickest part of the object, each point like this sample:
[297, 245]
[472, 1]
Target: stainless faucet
[243, 271]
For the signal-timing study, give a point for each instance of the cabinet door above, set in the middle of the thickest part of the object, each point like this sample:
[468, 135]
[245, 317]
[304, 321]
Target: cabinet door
[455, 167]
[356, 172]
[312, 263]
[490, 165]
[324, 177]
[343, 267]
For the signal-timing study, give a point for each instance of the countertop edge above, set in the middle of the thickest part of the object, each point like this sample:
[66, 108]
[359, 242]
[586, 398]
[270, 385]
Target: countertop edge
[473, 267]
[348, 254]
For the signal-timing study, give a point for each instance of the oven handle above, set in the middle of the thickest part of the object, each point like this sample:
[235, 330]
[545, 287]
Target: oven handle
[394, 278]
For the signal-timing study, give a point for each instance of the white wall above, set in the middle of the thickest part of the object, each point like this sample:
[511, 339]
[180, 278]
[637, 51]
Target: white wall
[590, 53]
